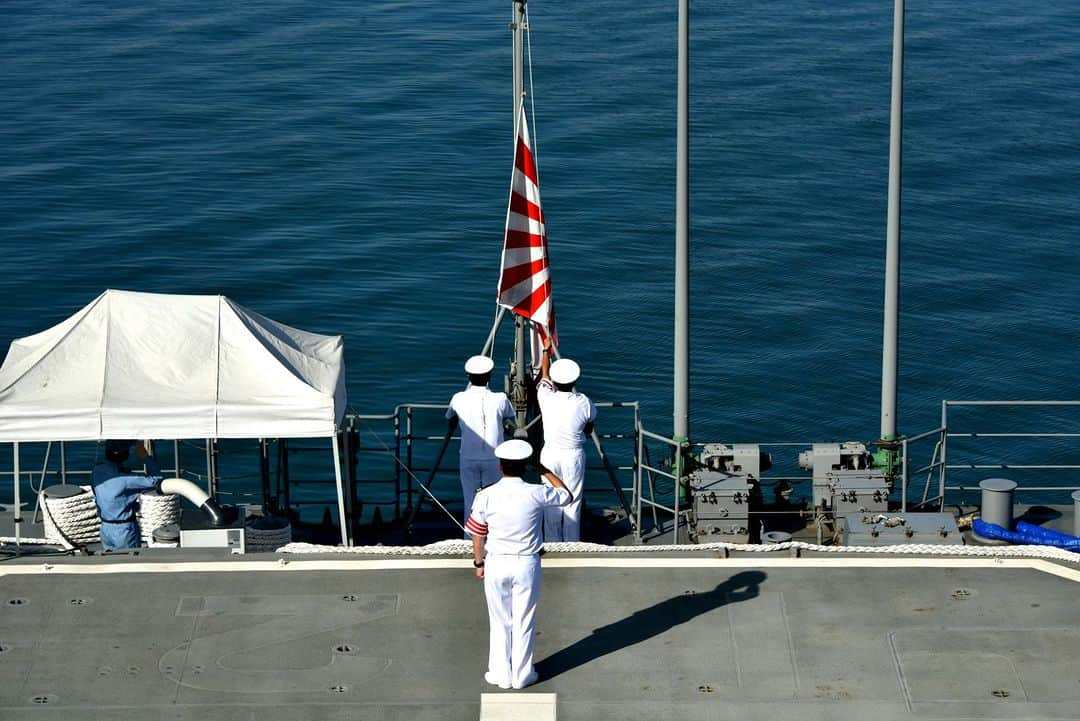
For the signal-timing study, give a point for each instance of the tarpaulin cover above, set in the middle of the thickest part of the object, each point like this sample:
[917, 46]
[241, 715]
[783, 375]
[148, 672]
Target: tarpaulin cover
[148, 365]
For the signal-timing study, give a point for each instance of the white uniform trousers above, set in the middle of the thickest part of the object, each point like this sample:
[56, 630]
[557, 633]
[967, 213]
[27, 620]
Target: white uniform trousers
[474, 476]
[512, 587]
[563, 523]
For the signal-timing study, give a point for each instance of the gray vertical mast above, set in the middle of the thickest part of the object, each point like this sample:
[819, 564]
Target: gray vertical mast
[889, 351]
[519, 381]
[681, 424]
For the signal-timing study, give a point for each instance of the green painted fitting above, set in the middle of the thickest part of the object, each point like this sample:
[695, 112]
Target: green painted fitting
[682, 464]
[887, 457]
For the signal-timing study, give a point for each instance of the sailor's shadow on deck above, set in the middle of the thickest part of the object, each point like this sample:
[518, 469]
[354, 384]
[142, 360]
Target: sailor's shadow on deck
[649, 622]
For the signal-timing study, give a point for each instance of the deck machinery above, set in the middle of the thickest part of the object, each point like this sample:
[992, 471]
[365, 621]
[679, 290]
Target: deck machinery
[845, 480]
[723, 487]
[849, 489]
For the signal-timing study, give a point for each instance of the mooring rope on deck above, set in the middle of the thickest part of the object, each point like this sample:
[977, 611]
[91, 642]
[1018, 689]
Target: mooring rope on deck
[71, 521]
[455, 547]
[156, 510]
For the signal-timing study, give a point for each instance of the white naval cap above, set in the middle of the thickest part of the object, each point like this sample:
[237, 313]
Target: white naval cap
[565, 371]
[514, 450]
[478, 365]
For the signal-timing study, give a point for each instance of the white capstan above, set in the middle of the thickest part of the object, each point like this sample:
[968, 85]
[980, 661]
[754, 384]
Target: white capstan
[514, 450]
[565, 371]
[478, 365]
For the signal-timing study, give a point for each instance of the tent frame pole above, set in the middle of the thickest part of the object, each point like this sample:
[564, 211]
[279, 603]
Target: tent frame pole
[18, 500]
[209, 470]
[346, 536]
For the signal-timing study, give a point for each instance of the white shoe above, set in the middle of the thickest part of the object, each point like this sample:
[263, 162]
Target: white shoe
[529, 680]
[491, 678]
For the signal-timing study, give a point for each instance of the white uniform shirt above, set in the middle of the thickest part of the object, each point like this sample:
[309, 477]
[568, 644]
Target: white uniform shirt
[481, 412]
[565, 415]
[511, 513]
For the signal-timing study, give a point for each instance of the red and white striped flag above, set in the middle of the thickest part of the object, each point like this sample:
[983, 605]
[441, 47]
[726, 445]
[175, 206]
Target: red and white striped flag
[525, 282]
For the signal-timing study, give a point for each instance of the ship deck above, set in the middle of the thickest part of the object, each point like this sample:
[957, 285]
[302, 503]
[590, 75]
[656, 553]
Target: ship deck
[197, 634]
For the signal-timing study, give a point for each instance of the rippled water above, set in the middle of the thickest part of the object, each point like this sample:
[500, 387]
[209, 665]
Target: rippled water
[343, 167]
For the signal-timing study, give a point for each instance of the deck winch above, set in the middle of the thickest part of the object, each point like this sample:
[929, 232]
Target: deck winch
[845, 479]
[723, 486]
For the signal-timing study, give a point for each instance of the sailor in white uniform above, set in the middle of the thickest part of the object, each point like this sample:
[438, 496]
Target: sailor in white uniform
[568, 420]
[481, 413]
[505, 522]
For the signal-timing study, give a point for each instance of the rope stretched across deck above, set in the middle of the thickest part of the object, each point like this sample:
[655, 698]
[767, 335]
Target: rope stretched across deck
[459, 547]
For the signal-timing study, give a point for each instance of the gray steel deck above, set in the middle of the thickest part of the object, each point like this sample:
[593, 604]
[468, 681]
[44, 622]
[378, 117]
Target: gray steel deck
[163, 636]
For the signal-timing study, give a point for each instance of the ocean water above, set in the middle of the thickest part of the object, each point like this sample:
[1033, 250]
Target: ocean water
[343, 167]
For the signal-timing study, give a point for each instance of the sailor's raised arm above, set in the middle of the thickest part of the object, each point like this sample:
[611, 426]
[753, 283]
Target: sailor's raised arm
[153, 470]
[545, 359]
[559, 494]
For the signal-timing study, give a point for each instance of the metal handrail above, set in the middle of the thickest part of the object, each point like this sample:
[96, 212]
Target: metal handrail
[934, 474]
[947, 433]
[404, 414]
[651, 502]
[906, 472]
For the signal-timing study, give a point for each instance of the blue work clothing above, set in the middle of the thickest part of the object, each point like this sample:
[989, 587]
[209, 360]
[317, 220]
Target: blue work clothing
[116, 492]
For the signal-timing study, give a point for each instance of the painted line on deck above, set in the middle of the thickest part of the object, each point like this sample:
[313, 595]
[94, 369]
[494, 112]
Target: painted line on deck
[413, 564]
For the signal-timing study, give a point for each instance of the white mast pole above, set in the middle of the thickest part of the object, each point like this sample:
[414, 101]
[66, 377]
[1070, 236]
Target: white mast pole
[682, 233]
[889, 352]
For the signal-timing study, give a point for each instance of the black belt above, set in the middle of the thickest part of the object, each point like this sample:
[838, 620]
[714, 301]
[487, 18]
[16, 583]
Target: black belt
[106, 520]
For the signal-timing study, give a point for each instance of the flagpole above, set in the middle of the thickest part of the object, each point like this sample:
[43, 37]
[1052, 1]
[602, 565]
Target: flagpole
[519, 395]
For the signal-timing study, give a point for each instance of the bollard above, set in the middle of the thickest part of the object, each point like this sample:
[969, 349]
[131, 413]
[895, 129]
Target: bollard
[997, 501]
[1076, 513]
[771, 538]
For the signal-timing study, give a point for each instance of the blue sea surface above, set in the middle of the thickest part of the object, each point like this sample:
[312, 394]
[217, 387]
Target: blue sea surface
[343, 167]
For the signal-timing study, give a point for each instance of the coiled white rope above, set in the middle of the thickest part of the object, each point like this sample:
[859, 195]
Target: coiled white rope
[71, 521]
[156, 510]
[458, 547]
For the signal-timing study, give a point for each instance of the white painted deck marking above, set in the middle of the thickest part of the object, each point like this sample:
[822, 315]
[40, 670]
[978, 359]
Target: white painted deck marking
[764, 653]
[620, 561]
[517, 707]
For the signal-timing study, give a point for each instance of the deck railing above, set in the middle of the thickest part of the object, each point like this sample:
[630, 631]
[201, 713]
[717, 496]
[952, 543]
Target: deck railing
[950, 458]
[414, 439]
[390, 456]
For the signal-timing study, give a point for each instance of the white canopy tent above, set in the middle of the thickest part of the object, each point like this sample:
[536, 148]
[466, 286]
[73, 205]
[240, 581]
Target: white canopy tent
[149, 365]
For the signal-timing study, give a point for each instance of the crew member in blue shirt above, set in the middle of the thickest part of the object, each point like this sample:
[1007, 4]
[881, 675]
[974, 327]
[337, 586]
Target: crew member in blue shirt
[116, 492]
